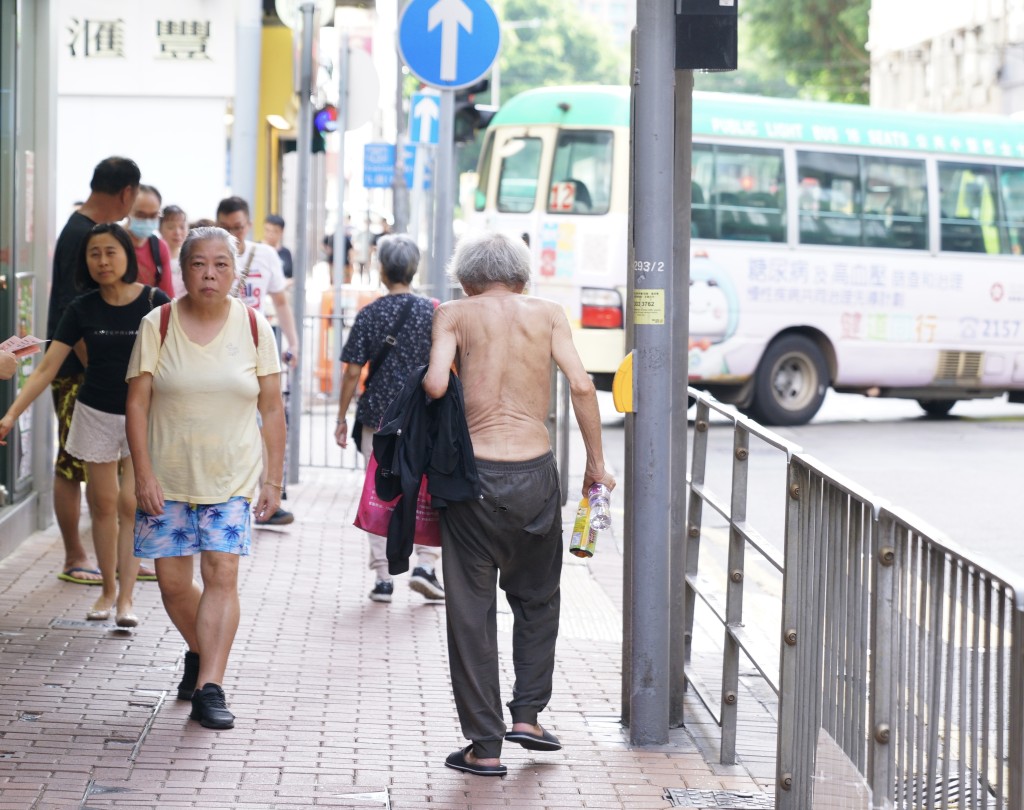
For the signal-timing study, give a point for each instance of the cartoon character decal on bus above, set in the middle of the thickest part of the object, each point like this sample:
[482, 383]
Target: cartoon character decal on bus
[714, 315]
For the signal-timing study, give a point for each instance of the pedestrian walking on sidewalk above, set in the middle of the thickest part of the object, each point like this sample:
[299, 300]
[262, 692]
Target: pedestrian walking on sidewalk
[202, 368]
[393, 335]
[106, 319]
[503, 342]
[113, 188]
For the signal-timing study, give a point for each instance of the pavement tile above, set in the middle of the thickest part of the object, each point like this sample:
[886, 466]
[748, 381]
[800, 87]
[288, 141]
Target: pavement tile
[336, 697]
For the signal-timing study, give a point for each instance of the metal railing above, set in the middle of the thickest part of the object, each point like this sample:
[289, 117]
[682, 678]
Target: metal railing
[321, 370]
[894, 647]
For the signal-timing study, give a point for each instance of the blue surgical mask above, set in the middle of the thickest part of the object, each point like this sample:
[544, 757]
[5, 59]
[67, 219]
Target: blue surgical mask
[143, 228]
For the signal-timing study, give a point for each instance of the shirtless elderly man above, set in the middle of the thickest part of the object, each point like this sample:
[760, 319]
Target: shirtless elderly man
[503, 343]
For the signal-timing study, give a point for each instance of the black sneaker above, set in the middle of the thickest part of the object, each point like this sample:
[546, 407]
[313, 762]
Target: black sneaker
[279, 518]
[189, 676]
[210, 708]
[425, 582]
[382, 591]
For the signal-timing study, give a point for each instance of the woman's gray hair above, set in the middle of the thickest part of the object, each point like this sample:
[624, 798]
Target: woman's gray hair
[483, 259]
[399, 257]
[207, 234]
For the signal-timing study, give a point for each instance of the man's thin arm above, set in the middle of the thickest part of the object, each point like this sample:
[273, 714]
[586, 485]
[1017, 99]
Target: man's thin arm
[442, 354]
[584, 402]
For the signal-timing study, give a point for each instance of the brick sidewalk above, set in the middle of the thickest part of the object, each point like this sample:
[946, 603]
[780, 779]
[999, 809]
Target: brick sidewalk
[341, 702]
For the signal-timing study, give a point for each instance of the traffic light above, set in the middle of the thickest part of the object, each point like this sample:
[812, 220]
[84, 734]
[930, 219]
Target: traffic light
[470, 116]
[324, 120]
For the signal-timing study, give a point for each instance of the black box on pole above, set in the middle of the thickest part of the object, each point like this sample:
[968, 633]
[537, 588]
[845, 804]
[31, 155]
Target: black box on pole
[706, 34]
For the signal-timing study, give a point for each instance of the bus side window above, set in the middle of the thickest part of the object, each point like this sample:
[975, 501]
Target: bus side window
[831, 216]
[895, 203]
[747, 196]
[969, 209]
[1011, 192]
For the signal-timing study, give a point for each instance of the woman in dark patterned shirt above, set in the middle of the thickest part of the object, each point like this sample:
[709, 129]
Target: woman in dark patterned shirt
[408, 318]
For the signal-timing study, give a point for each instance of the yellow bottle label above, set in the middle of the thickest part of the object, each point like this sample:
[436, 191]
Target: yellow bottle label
[581, 528]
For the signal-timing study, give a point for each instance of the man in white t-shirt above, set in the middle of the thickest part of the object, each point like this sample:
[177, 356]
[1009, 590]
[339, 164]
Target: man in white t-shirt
[260, 276]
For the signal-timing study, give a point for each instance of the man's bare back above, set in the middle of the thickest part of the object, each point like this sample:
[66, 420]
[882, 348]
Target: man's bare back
[504, 352]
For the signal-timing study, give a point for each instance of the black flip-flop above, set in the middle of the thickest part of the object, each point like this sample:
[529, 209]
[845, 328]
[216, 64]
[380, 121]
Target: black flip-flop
[458, 762]
[545, 741]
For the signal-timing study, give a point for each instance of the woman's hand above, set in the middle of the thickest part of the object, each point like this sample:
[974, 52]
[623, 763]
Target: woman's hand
[269, 500]
[6, 425]
[149, 495]
[341, 432]
[8, 365]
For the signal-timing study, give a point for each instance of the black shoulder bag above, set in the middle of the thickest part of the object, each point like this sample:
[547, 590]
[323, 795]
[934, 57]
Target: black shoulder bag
[154, 251]
[389, 342]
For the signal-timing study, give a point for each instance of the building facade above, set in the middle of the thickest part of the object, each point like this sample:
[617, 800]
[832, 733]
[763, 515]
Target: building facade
[947, 57]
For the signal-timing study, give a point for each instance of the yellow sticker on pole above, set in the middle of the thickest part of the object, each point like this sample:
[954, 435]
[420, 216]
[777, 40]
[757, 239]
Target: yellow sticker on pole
[649, 307]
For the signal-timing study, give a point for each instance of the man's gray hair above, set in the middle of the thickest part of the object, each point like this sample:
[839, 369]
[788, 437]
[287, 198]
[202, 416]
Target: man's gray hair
[207, 234]
[483, 259]
[399, 257]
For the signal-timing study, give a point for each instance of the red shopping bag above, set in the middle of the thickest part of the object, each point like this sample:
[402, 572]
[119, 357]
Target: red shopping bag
[373, 514]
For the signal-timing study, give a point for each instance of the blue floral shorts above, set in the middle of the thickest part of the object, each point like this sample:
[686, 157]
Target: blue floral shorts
[185, 529]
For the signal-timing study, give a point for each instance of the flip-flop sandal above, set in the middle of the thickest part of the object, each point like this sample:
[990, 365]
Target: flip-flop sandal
[459, 762]
[69, 576]
[146, 574]
[546, 741]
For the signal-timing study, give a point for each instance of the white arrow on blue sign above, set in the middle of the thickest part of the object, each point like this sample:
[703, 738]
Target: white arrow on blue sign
[424, 118]
[449, 43]
[379, 166]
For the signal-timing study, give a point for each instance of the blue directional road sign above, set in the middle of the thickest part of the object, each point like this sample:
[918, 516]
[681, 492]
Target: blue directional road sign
[424, 118]
[379, 166]
[449, 43]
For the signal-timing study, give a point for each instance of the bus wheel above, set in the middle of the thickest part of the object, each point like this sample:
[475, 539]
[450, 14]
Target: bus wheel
[790, 383]
[936, 408]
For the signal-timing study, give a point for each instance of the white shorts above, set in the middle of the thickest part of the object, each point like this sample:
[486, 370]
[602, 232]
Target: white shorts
[96, 436]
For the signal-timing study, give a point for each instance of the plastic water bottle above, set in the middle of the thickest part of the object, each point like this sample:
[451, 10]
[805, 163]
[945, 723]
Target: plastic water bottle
[600, 507]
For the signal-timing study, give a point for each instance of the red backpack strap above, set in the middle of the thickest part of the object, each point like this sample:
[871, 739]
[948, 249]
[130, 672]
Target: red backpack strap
[165, 320]
[253, 327]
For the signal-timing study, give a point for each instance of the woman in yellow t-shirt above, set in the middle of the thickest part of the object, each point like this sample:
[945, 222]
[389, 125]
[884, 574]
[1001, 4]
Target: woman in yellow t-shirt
[202, 368]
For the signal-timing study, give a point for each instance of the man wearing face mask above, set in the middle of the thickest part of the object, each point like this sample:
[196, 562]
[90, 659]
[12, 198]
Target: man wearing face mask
[151, 251]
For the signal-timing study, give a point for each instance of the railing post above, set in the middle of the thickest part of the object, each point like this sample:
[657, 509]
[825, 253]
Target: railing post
[791, 791]
[694, 514]
[734, 591]
[881, 778]
[1016, 741]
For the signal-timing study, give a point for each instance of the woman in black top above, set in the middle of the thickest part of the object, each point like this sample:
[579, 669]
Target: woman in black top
[408, 319]
[107, 319]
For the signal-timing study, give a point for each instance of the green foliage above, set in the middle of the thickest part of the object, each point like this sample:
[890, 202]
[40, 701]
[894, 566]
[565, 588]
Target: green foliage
[565, 48]
[807, 48]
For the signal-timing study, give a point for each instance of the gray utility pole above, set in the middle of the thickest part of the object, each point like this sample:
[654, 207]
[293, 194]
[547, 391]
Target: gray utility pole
[245, 125]
[444, 197]
[339, 228]
[305, 150]
[678, 644]
[399, 190]
[651, 288]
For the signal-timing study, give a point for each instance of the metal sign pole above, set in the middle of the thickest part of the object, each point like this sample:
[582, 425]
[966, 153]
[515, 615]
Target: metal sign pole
[680, 397]
[653, 166]
[340, 259]
[305, 151]
[444, 196]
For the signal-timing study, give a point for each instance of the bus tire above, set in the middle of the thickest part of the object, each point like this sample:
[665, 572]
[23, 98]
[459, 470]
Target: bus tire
[936, 408]
[790, 382]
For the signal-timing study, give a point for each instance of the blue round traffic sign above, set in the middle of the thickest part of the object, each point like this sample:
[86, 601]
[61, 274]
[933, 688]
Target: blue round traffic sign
[449, 43]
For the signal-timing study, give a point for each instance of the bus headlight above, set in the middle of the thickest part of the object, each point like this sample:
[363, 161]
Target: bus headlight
[600, 308]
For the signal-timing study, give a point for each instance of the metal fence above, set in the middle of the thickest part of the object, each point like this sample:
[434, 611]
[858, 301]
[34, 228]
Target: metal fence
[894, 647]
[321, 369]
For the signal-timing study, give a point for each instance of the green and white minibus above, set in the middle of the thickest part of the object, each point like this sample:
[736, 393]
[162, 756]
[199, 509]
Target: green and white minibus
[872, 251]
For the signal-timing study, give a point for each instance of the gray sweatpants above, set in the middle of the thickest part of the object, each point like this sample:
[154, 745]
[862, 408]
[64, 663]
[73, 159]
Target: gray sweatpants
[512, 536]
